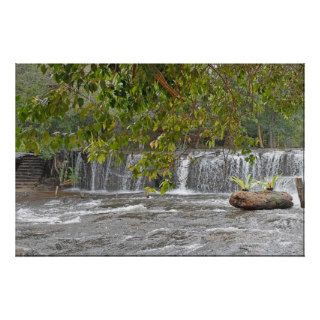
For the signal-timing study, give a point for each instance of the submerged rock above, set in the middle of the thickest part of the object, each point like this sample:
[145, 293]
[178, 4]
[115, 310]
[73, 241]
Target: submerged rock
[261, 200]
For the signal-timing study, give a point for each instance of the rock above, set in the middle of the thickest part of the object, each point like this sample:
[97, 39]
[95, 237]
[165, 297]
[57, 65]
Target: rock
[50, 181]
[261, 200]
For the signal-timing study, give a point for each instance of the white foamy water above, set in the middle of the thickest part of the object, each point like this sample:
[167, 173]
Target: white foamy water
[182, 192]
[214, 202]
[75, 220]
[156, 231]
[219, 210]
[52, 203]
[48, 214]
[193, 247]
[227, 229]
[56, 211]
[28, 215]
[90, 204]
[130, 208]
[104, 192]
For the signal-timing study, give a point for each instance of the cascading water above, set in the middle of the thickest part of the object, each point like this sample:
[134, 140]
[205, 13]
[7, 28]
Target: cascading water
[201, 171]
[210, 172]
[182, 173]
[93, 175]
[128, 182]
[110, 176]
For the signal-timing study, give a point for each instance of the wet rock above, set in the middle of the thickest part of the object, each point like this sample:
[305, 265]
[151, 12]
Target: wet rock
[52, 182]
[261, 200]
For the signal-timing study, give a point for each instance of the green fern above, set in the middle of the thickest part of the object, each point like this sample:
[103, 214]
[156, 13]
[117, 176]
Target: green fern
[245, 184]
[269, 185]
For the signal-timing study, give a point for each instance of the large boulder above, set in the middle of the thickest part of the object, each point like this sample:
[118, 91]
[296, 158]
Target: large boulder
[261, 200]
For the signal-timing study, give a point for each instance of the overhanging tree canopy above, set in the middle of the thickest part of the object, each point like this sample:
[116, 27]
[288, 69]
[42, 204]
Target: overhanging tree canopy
[160, 109]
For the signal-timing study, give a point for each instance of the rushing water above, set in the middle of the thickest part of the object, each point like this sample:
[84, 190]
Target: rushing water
[202, 171]
[114, 217]
[131, 224]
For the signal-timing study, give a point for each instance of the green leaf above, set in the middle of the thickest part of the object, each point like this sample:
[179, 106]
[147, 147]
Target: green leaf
[80, 102]
[164, 186]
[79, 83]
[92, 87]
[245, 151]
[250, 159]
[46, 137]
[93, 67]
[150, 190]
[171, 147]
[101, 158]
[43, 68]
[103, 85]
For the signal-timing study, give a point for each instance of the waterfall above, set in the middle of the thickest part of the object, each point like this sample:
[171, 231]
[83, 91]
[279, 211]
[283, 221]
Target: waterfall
[93, 175]
[211, 172]
[182, 173]
[128, 183]
[201, 171]
[110, 175]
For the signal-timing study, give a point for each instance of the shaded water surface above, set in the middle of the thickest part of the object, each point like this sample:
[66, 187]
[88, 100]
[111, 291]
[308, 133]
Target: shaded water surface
[130, 224]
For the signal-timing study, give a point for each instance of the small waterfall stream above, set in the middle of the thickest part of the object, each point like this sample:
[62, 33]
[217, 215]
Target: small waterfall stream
[182, 173]
[93, 175]
[200, 171]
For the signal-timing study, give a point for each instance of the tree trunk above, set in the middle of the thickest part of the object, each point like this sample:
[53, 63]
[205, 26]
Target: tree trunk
[271, 137]
[198, 140]
[260, 136]
[300, 189]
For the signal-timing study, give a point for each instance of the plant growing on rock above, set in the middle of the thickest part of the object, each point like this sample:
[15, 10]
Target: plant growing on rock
[245, 184]
[269, 185]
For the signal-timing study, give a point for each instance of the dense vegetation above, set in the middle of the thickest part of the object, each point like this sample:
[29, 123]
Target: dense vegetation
[158, 109]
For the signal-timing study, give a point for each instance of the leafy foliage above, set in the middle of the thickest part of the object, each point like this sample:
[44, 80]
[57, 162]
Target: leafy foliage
[269, 185]
[72, 176]
[246, 184]
[165, 186]
[159, 109]
[63, 174]
[149, 190]
[67, 175]
[30, 82]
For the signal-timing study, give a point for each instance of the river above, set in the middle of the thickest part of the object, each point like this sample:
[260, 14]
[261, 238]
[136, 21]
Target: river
[131, 224]
[108, 214]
